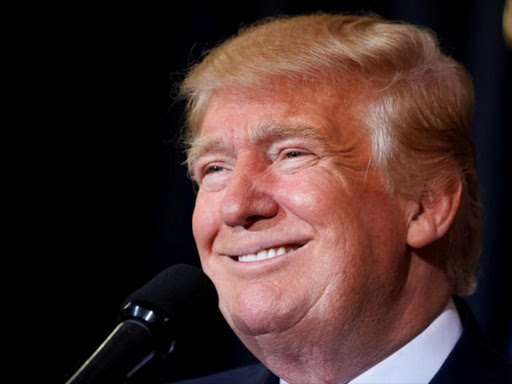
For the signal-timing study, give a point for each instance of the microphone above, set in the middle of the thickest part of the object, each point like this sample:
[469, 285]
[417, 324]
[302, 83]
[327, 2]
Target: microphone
[151, 318]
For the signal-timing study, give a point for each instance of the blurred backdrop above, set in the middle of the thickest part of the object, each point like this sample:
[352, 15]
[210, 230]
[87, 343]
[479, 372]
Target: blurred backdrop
[116, 202]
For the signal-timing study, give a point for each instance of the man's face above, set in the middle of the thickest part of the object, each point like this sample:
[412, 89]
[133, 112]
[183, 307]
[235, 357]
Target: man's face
[287, 176]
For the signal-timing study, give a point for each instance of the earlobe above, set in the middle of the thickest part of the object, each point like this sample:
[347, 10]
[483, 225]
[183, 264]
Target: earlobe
[432, 217]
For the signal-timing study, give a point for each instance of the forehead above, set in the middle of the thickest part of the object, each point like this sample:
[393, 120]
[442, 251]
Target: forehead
[234, 115]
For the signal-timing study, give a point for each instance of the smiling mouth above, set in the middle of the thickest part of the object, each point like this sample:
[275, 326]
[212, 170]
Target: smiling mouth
[267, 253]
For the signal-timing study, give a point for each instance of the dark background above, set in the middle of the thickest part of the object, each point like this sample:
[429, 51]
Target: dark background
[114, 203]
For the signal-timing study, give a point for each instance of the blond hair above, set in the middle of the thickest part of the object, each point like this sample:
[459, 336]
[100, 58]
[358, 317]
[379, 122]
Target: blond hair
[417, 102]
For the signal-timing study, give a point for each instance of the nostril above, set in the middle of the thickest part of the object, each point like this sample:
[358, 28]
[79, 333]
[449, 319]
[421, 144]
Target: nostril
[251, 220]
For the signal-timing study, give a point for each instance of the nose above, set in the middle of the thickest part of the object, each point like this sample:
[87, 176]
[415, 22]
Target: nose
[248, 199]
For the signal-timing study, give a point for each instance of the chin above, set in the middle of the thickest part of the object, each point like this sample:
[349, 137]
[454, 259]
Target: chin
[263, 311]
[252, 326]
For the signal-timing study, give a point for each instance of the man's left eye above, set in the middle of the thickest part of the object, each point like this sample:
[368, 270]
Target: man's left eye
[293, 154]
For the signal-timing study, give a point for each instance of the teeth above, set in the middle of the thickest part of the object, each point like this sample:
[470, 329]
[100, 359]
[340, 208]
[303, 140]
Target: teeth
[266, 254]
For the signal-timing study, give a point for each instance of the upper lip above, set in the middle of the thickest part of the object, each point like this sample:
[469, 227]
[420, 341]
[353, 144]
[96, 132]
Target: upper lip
[248, 249]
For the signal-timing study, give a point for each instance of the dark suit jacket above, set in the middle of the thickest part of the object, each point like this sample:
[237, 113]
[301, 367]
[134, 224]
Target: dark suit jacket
[472, 361]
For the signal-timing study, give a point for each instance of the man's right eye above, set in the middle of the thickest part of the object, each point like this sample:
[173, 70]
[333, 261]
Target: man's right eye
[213, 169]
[214, 177]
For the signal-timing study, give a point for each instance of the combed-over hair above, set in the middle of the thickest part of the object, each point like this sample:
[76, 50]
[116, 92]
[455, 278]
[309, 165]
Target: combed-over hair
[417, 103]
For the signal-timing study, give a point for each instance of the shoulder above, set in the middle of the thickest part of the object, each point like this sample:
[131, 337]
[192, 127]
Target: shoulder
[250, 374]
[472, 360]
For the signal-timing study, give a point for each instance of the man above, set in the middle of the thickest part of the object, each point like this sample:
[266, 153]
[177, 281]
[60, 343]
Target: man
[338, 208]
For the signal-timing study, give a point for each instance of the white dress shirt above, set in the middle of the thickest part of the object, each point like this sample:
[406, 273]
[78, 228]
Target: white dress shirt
[419, 360]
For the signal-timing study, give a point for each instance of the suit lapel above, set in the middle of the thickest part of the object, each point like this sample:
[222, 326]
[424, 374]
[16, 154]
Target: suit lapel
[472, 360]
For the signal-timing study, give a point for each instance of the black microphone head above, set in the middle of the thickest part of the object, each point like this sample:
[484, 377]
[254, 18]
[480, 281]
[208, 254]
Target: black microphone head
[177, 298]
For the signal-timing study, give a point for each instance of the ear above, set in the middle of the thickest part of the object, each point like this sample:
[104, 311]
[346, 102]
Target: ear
[432, 216]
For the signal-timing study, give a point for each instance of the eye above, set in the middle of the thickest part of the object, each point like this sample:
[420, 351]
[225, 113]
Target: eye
[213, 169]
[294, 158]
[293, 154]
[214, 176]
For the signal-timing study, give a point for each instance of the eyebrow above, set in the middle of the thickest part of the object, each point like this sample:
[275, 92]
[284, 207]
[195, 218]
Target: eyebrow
[277, 130]
[264, 132]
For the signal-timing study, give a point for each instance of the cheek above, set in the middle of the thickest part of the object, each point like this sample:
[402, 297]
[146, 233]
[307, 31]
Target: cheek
[385, 217]
[205, 221]
[317, 197]
[306, 189]
[299, 195]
